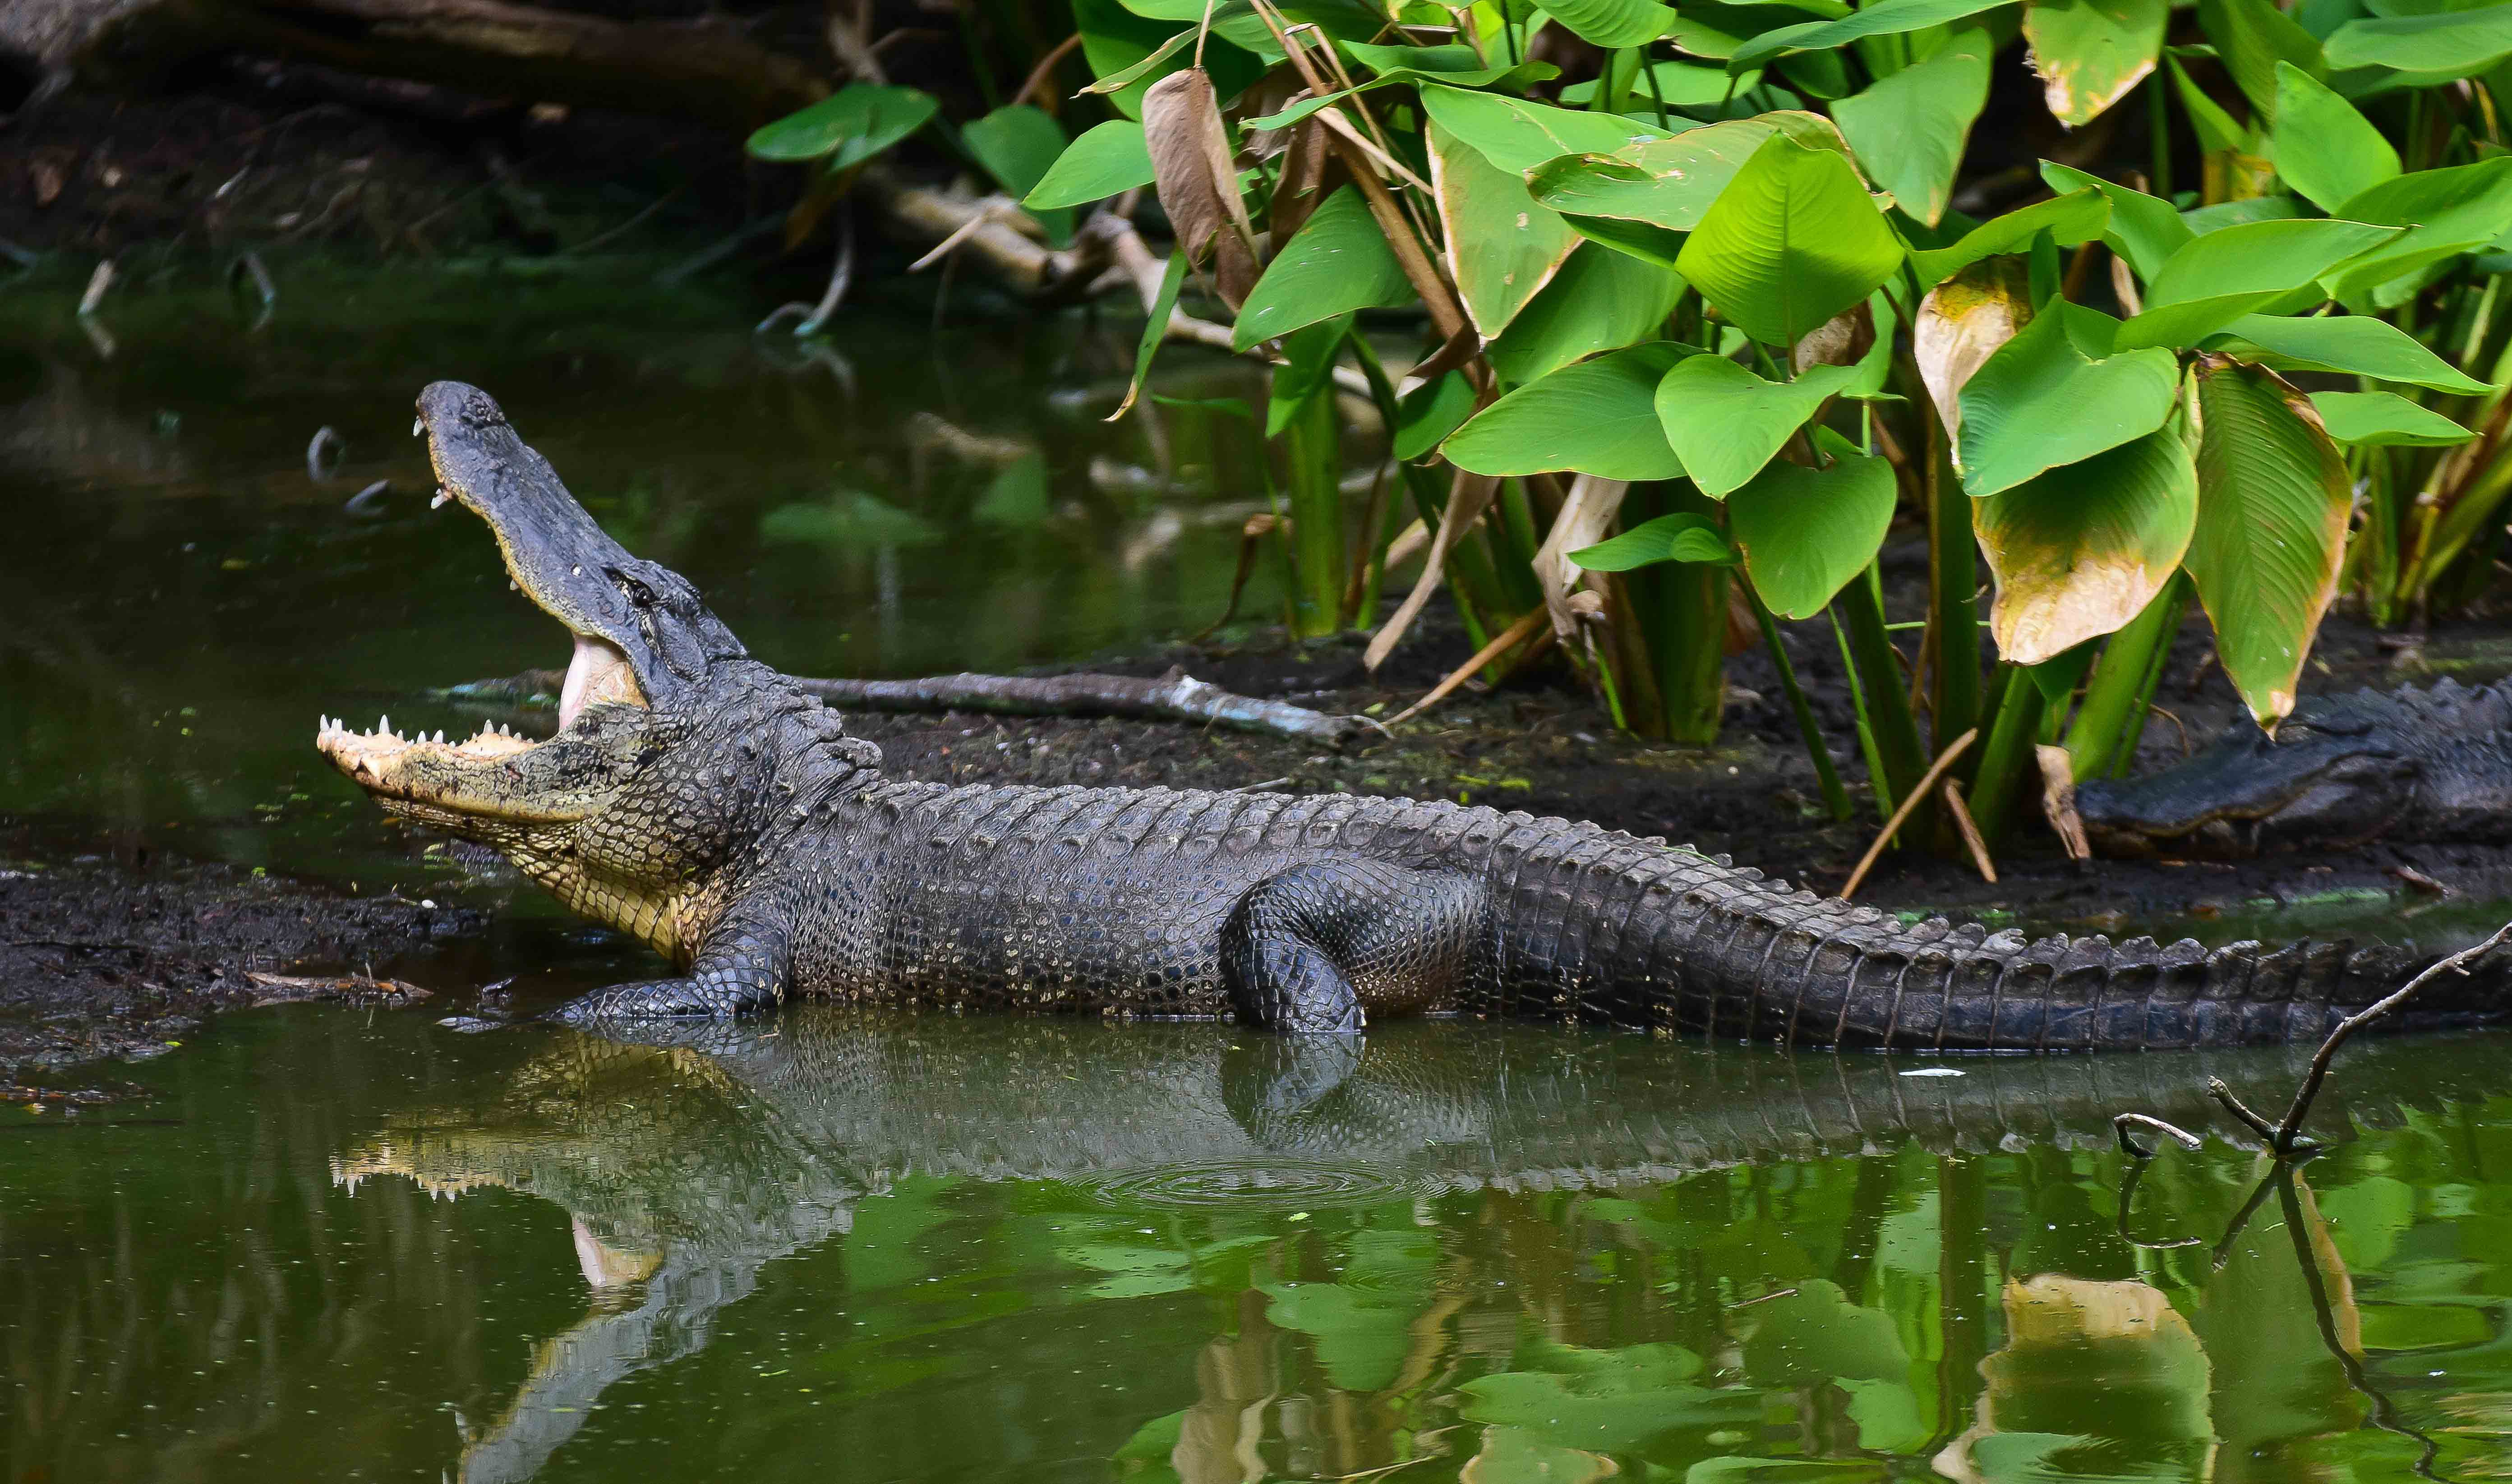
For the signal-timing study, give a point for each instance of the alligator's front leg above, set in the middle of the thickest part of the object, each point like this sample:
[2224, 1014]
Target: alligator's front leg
[742, 966]
[1305, 947]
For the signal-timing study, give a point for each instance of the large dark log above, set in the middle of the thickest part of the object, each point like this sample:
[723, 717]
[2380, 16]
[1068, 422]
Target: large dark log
[695, 71]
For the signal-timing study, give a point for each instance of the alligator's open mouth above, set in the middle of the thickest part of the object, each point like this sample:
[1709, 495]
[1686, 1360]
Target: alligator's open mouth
[555, 557]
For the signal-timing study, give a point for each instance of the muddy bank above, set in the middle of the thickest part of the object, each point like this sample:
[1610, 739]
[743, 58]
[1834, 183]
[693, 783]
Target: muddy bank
[105, 959]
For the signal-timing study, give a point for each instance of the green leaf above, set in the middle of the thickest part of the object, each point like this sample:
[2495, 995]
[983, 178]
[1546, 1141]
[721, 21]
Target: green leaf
[1612, 22]
[1596, 417]
[2225, 275]
[1884, 18]
[2324, 148]
[2353, 343]
[1155, 329]
[1909, 130]
[1109, 160]
[1725, 423]
[1514, 77]
[2144, 229]
[2450, 210]
[1431, 413]
[1806, 533]
[2090, 52]
[1500, 247]
[1649, 243]
[846, 127]
[1599, 301]
[1679, 538]
[2449, 44]
[2252, 36]
[1339, 263]
[2080, 550]
[1309, 356]
[1609, 1401]
[1815, 1335]
[2216, 131]
[1518, 136]
[2385, 418]
[2273, 499]
[1793, 240]
[1680, 84]
[2076, 217]
[1018, 145]
[1668, 183]
[2039, 402]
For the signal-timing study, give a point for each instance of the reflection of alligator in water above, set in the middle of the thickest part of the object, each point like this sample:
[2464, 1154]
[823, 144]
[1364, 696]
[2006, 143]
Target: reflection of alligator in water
[700, 1152]
[2417, 764]
[697, 799]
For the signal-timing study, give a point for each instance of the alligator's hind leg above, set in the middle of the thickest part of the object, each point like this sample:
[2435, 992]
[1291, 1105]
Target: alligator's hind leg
[739, 968]
[1309, 947]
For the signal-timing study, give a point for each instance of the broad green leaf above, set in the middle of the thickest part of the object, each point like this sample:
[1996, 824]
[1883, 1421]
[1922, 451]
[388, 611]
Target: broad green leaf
[1108, 160]
[2450, 210]
[1793, 240]
[2144, 229]
[1884, 18]
[1155, 329]
[1668, 183]
[1678, 538]
[1806, 533]
[2324, 148]
[1649, 243]
[2219, 134]
[1710, 32]
[1455, 62]
[1725, 423]
[1909, 130]
[2040, 403]
[2385, 418]
[2203, 219]
[846, 127]
[1612, 22]
[1816, 1335]
[1431, 413]
[2354, 344]
[2090, 52]
[2078, 217]
[1515, 1456]
[1598, 416]
[2252, 36]
[1518, 136]
[1339, 263]
[2080, 550]
[1500, 247]
[1018, 145]
[2449, 44]
[2272, 504]
[1599, 301]
[1607, 1400]
[2225, 275]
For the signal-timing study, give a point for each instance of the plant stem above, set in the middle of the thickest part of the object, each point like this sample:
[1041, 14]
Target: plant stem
[2112, 717]
[2158, 123]
[1887, 703]
[2007, 762]
[1836, 796]
[1953, 578]
[1312, 455]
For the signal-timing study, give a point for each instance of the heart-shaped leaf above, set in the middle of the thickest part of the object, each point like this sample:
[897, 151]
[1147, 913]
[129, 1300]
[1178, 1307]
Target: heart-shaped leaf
[2040, 401]
[1595, 417]
[1678, 538]
[2324, 148]
[1339, 263]
[2090, 52]
[1502, 247]
[1806, 533]
[1910, 128]
[1793, 240]
[846, 127]
[1108, 160]
[1725, 423]
[2080, 550]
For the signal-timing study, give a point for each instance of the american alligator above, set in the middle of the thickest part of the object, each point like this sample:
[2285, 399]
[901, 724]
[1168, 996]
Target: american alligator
[2422, 764]
[697, 800]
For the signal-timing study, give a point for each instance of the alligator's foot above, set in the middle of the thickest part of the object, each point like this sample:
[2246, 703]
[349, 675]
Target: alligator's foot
[648, 1000]
[1298, 943]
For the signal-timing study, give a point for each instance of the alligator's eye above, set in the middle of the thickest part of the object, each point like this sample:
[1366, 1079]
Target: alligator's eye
[635, 591]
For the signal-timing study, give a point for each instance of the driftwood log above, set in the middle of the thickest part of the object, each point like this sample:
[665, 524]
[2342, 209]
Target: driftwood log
[1173, 698]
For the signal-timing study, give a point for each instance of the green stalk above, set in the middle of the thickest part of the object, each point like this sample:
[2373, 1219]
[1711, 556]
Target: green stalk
[2158, 123]
[1885, 801]
[1312, 452]
[2122, 686]
[1679, 609]
[1887, 700]
[1953, 578]
[2007, 763]
[1836, 796]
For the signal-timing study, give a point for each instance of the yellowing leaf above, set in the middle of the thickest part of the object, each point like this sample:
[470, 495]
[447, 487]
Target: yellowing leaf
[2090, 52]
[2081, 550]
[1961, 324]
[1502, 247]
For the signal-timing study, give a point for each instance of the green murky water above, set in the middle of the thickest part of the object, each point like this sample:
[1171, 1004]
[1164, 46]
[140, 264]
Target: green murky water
[344, 1246]
[352, 1245]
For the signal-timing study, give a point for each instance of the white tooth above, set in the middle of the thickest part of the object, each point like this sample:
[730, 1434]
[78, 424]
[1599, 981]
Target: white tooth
[441, 498]
[512, 586]
[416, 427]
[383, 727]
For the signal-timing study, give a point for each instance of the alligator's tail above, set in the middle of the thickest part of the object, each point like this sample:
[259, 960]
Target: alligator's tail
[1727, 953]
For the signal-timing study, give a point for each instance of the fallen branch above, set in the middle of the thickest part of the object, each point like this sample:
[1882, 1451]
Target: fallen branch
[1173, 698]
[1535, 618]
[1892, 826]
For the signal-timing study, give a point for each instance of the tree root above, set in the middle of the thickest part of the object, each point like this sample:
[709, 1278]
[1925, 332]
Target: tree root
[1173, 697]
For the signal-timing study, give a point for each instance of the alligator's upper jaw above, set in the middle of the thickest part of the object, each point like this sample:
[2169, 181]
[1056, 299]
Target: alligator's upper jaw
[556, 557]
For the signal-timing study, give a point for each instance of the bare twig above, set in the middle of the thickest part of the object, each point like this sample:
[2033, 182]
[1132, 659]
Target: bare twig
[1892, 826]
[814, 316]
[2285, 1133]
[2130, 1147]
[1516, 633]
[1041, 78]
[2223, 1093]
[1970, 830]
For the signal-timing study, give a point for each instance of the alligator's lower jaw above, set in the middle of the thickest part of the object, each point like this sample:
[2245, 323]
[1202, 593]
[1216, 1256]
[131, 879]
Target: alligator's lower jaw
[418, 770]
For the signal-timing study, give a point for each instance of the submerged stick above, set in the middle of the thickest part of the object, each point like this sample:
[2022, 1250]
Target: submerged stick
[1173, 698]
[2286, 1132]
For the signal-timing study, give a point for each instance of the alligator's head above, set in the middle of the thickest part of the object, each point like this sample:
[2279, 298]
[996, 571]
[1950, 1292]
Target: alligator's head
[2336, 771]
[622, 811]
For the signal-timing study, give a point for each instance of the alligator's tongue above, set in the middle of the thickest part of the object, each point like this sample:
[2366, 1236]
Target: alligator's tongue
[599, 672]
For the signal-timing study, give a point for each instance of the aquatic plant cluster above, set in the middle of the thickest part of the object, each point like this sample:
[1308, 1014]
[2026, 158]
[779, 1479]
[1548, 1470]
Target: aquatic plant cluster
[1715, 292]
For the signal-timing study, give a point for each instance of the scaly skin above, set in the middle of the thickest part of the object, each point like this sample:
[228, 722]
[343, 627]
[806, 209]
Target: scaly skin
[696, 799]
[2427, 764]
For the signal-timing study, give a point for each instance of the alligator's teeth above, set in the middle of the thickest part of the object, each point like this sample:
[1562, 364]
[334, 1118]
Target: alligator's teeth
[416, 427]
[512, 586]
[441, 498]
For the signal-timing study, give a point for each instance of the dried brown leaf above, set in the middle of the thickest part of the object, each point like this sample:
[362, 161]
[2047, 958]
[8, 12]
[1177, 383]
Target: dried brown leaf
[1960, 324]
[1197, 181]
